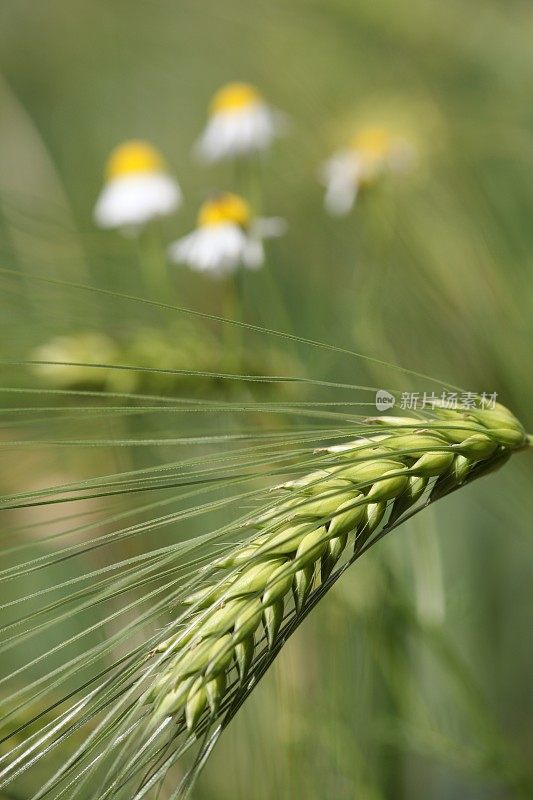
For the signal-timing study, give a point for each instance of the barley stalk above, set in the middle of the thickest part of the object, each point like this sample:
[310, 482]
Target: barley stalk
[329, 515]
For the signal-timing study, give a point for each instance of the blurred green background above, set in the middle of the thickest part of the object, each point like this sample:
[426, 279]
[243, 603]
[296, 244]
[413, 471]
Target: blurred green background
[413, 679]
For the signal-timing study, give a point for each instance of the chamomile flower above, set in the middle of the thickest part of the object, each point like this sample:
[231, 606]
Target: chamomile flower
[227, 236]
[371, 153]
[240, 122]
[137, 188]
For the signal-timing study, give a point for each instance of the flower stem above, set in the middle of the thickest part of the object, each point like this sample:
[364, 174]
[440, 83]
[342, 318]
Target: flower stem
[233, 310]
[153, 262]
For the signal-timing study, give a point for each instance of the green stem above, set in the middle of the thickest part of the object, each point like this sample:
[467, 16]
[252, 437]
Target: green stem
[249, 183]
[233, 310]
[153, 261]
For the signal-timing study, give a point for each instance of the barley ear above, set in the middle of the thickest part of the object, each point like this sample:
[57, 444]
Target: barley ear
[320, 524]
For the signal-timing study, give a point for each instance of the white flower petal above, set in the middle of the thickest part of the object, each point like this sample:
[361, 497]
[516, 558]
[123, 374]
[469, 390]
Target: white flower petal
[239, 132]
[340, 197]
[341, 176]
[218, 249]
[132, 200]
[254, 253]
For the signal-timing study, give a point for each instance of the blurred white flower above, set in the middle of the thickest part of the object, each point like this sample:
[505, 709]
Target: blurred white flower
[373, 152]
[240, 122]
[137, 188]
[227, 236]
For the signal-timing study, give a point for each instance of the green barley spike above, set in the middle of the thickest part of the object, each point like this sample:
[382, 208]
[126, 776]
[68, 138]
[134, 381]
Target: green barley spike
[301, 540]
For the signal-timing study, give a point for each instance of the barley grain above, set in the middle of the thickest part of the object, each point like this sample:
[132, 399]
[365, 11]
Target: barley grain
[303, 538]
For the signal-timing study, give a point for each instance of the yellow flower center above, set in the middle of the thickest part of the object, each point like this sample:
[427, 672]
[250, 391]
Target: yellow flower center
[133, 157]
[374, 143]
[225, 208]
[234, 97]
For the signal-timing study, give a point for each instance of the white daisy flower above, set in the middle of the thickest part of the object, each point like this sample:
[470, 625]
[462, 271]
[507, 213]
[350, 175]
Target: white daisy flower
[227, 236]
[240, 122]
[373, 152]
[137, 189]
